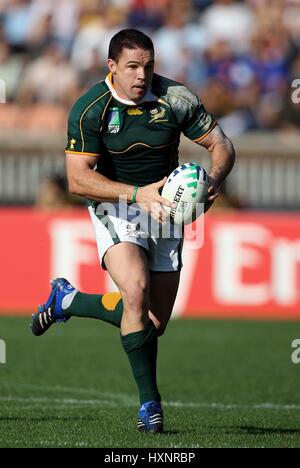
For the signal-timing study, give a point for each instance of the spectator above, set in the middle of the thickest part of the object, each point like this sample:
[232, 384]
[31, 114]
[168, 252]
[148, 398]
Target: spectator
[49, 78]
[61, 18]
[230, 21]
[147, 13]
[94, 35]
[242, 53]
[16, 21]
[10, 70]
[175, 38]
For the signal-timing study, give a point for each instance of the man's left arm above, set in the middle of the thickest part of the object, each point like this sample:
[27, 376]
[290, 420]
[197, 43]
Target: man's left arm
[222, 160]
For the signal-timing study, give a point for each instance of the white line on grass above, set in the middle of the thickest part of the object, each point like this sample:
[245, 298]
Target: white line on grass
[179, 404]
[223, 406]
[55, 388]
[56, 444]
[88, 392]
[113, 398]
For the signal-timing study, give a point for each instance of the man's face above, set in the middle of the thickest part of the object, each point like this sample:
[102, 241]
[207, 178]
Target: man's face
[132, 73]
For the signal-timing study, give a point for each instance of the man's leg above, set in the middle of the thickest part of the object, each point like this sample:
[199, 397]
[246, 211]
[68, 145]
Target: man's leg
[128, 266]
[163, 291]
[106, 307]
[65, 302]
[109, 307]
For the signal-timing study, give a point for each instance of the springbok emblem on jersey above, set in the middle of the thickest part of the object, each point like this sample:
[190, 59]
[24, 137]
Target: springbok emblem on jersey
[158, 115]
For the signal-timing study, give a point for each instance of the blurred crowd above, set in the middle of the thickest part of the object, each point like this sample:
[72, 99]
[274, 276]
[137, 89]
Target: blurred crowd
[241, 57]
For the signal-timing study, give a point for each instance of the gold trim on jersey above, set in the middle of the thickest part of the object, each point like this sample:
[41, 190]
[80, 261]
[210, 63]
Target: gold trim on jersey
[140, 143]
[82, 153]
[206, 133]
[109, 76]
[105, 108]
[83, 114]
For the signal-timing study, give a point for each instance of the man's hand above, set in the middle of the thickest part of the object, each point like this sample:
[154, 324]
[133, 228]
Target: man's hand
[151, 201]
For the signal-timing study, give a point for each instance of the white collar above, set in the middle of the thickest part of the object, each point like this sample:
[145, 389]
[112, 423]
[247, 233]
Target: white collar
[149, 96]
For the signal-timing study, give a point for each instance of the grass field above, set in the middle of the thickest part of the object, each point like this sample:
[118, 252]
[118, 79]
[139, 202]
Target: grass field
[224, 384]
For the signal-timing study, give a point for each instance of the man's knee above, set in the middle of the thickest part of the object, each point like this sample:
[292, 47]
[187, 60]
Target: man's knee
[135, 297]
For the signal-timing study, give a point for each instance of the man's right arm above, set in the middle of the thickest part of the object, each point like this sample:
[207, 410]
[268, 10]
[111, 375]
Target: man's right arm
[86, 182]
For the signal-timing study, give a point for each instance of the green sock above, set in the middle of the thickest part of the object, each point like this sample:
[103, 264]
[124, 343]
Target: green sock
[107, 307]
[141, 348]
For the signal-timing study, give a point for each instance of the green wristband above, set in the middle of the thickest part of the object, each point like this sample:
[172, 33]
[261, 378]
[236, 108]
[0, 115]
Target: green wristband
[133, 199]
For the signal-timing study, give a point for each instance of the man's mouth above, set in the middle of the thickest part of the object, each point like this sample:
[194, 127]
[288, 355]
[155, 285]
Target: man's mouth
[142, 87]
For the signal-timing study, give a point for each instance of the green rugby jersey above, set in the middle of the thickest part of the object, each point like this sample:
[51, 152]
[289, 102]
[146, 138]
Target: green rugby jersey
[137, 143]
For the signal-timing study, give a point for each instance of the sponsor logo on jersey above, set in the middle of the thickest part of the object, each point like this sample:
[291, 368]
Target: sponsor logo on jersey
[113, 120]
[72, 143]
[135, 111]
[158, 115]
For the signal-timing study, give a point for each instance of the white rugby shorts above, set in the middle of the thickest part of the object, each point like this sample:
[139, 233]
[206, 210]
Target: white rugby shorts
[120, 222]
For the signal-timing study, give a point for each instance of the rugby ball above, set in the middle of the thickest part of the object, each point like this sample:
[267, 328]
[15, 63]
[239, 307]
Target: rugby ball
[186, 188]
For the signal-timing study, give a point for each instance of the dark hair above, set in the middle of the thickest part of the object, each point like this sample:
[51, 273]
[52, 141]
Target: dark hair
[129, 39]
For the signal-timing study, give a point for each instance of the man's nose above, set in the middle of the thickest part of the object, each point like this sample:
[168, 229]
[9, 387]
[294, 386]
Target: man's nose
[141, 73]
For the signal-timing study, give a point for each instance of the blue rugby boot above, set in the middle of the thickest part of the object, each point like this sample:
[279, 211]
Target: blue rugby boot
[62, 293]
[151, 417]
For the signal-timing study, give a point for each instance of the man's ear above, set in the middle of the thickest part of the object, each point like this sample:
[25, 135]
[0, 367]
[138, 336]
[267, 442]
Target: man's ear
[111, 65]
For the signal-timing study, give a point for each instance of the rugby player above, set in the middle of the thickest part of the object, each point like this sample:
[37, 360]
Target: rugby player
[123, 138]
